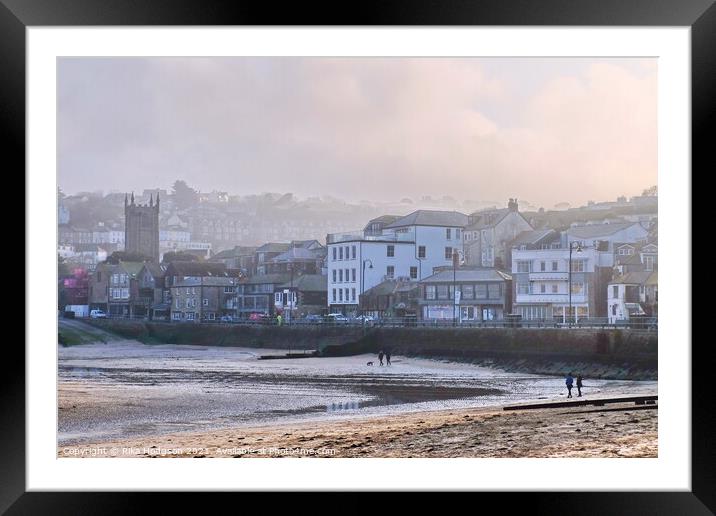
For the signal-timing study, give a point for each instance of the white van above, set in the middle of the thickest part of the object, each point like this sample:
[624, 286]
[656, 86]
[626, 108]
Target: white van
[97, 314]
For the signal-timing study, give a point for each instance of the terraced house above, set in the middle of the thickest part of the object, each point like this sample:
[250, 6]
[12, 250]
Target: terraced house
[200, 291]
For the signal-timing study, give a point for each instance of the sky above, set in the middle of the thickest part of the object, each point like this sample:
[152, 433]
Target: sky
[546, 130]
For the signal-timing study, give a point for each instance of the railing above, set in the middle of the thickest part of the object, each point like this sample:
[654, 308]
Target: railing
[649, 324]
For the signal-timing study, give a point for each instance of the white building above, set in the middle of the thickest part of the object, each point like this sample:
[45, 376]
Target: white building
[541, 277]
[390, 247]
[632, 294]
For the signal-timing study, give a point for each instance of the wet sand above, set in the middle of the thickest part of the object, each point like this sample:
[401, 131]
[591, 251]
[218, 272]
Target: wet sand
[194, 401]
[623, 430]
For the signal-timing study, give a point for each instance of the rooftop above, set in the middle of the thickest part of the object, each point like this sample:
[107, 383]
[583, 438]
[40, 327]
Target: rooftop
[431, 218]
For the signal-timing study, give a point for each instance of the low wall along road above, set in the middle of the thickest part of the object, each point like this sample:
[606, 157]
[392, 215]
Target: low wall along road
[595, 353]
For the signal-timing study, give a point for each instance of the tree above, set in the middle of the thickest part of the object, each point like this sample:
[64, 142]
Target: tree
[172, 256]
[124, 256]
[652, 191]
[184, 195]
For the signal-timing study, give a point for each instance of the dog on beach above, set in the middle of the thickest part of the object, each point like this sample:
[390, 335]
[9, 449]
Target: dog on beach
[369, 363]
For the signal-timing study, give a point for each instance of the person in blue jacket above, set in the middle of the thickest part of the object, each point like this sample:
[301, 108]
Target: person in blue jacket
[569, 381]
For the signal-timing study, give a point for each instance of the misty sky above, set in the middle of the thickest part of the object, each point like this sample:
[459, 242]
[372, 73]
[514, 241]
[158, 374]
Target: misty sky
[541, 129]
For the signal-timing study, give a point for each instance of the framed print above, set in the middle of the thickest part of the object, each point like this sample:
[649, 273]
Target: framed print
[413, 250]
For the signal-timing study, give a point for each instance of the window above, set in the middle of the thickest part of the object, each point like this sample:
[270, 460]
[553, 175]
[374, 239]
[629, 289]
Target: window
[353, 275]
[205, 302]
[353, 294]
[228, 290]
[188, 290]
[543, 288]
[443, 292]
[346, 295]
[390, 271]
[347, 255]
[334, 254]
[340, 275]
[555, 265]
[277, 298]
[555, 288]
[523, 288]
[178, 303]
[340, 253]
[457, 233]
[481, 291]
[335, 272]
[176, 316]
[413, 273]
[334, 295]
[577, 287]
[494, 290]
[615, 291]
[542, 266]
[212, 316]
[523, 266]
[447, 233]
[421, 251]
[448, 253]
[190, 316]
[347, 277]
[579, 265]
[649, 263]
[429, 291]
[340, 294]
[468, 291]
[390, 250]
[353, 252]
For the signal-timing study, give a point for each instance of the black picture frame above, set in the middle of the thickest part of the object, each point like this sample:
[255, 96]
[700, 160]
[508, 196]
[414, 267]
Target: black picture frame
[17, 15]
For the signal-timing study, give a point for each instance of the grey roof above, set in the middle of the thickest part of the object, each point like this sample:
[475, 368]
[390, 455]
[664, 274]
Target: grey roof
[274, 247]
[532, 237]
[597, 230]
[237, 251]
[632, 278]
[488, 218]
[390, 286]
[308, 283]
[157, 270]
[278, 278]
[468, 275]
[431, 218]
[295, 253]
[196, 269]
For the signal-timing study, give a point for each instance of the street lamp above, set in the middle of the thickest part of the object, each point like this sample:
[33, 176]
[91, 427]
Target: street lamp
[578, 249]
[455, 260]
[362, 280]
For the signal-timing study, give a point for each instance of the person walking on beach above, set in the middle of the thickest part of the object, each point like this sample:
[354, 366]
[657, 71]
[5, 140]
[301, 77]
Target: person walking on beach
[569, 381]
[579, 386]
[387, 358]
[380, 357]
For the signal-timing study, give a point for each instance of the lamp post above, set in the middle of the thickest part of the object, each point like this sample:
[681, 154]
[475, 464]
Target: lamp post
[289, 296]
[578, 249]
[362, 281]
[455, 260]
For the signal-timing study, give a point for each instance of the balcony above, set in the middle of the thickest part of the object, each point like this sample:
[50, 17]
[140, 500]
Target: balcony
[335, 238]
[549, 276]
[551, 298]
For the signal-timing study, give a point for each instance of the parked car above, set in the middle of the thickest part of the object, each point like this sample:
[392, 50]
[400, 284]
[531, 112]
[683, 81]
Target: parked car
[227, 318]
[336, 319]
[367, 319]
[313, 319]
[98, 314]
[259, 317]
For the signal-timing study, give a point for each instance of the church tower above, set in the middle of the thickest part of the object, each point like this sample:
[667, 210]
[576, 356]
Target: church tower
[141, 227]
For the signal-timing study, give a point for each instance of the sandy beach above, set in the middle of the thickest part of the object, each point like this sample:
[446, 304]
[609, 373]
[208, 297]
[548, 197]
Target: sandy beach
[623, 430]
[126, 399]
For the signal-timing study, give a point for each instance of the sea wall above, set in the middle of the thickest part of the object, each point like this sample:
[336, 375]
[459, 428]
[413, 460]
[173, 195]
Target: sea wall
[612, 353]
